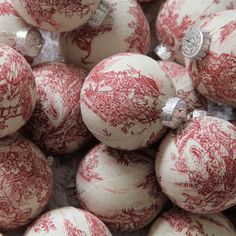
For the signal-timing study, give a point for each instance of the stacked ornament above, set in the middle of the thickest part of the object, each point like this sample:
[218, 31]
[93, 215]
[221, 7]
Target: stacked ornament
[113, 105]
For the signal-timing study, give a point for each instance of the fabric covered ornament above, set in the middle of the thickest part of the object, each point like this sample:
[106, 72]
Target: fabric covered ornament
[213, 70]
[177, 222]
[177, 16]
[196, 165]
[68, 221]
[57, 15]
[26, 182]
[122, 98]
[178, 74]
[56, 124]
[17, 90]
[125, 29]
[119, 187]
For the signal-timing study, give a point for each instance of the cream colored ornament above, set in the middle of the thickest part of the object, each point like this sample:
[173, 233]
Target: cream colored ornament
[119, 187]
[178, 74]
[56, 124]
[176, 17]
[196, 164]
[17, 91]
[26, 182]
[67, 221]
[122, 98]
[125, 29]
[214, 73]
[57, 15]
[177, 222]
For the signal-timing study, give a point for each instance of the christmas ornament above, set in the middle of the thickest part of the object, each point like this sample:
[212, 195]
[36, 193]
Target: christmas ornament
[26, 182]
[56, 124]
[177, 222]
[67, 221]
[58, 15]
[119, 187]
[17, 34]
[122, 98]
[183, 85]
[196, 165]
[211, 57]
[177, 16]
[17, 91]
[125, 25]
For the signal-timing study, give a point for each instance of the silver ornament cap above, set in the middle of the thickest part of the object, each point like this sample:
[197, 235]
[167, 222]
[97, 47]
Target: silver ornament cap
[195, 44]
[100, 14]
[163, 52]
[174, 113]
[29, 41]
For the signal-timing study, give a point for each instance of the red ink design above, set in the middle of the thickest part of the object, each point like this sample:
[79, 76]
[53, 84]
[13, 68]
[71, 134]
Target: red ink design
[7, 9]
[72, 230]
[226, 30]
[44, 224]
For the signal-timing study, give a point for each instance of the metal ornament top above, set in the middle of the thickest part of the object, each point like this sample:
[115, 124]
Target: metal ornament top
[195, 44]
[100, 14]
[29, 42]
[163, 52]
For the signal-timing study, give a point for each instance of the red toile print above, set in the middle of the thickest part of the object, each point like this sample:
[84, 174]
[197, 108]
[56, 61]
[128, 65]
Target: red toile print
[96, 227]
[26, 182]
[17, 88]
[130, 219]
[213, 141]
[131, 106]
[72, 230]
[167, 27]
[226, 30]
[139, 39]
[87, 167]
[214, 77]
[44, 224]
[44, 10]
[7, 9]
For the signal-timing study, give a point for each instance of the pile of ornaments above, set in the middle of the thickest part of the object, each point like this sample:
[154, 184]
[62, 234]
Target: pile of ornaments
[151, 154]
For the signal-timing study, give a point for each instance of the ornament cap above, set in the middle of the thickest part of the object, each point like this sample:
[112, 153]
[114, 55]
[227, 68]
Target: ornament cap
[100, 14]
[198, 113]
[174, 113]
[163, 52]
[29, 42]
[195, 44]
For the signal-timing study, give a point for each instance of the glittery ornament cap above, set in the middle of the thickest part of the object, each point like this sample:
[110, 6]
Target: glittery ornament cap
[29, 41]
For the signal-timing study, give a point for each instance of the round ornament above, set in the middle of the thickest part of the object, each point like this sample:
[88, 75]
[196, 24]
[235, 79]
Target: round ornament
[178, 74]
[122, 98]
[57, 15]
[176, 17]
[119, 187]
[214, 75]
[56, 124]
[17, 90]
[17, 34]
[196, 165]
[126, 26]
[26, 182]
[68, 221]
[177, 222]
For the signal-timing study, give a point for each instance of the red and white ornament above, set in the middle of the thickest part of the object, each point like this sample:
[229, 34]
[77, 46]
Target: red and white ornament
[26, 182]
[17, 91]
[183, 85]
[177, 16]
[57, 15]
[56, 124]
[177, 222]
[122, 98]
[196, 165]
[214, 76]
[119, 187]
[68, 221]
[125, 29]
